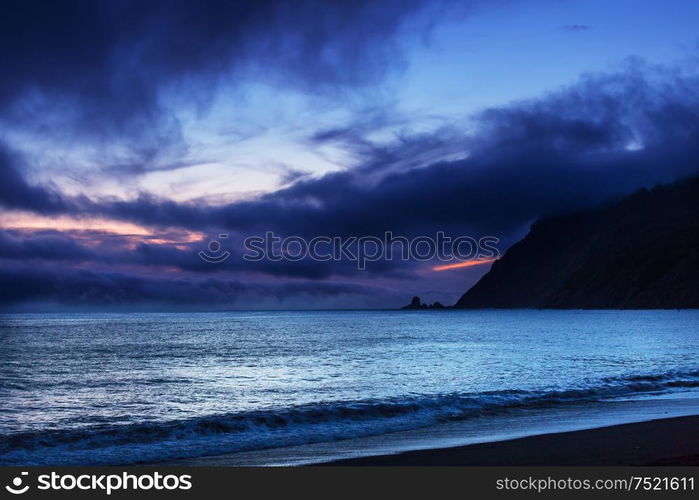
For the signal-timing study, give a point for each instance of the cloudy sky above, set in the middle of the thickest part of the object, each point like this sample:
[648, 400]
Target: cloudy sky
[134, 133]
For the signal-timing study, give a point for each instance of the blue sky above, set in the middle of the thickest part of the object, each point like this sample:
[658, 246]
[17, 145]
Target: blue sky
[520, 49]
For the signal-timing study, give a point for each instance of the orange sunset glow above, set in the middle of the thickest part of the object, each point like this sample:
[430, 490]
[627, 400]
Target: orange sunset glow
[467, 263]
[34, 222]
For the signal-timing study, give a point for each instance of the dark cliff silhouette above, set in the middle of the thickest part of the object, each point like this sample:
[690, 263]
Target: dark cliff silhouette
[638, 253]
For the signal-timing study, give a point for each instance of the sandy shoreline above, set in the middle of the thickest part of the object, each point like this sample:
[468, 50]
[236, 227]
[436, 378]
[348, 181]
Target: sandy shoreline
[671, 441]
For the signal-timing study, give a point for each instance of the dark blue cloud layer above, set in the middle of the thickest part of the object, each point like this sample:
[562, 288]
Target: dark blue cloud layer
[603, 137]
[110, 60]
[78, 289]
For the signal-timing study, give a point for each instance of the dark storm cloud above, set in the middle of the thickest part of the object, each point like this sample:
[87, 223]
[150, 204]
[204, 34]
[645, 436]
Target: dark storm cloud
[100, 73]
[79, 288]
[105, 64]
[42, 245]
[97, 249]
[576, 27]
[16, 192]
[603, 137]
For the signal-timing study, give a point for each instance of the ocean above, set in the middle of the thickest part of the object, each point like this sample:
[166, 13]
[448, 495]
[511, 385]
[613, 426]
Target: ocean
[112, 388]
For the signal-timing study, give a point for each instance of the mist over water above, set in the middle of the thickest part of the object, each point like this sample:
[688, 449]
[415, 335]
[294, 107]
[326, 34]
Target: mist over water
[126, 388]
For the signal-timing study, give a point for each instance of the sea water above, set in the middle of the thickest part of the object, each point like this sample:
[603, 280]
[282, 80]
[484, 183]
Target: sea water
[99, 388]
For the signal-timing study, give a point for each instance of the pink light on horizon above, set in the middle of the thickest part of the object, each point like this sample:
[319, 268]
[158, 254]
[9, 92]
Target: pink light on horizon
[467, 263]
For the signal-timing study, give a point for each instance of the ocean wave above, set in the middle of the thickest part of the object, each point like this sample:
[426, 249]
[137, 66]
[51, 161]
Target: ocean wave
[151, 442]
